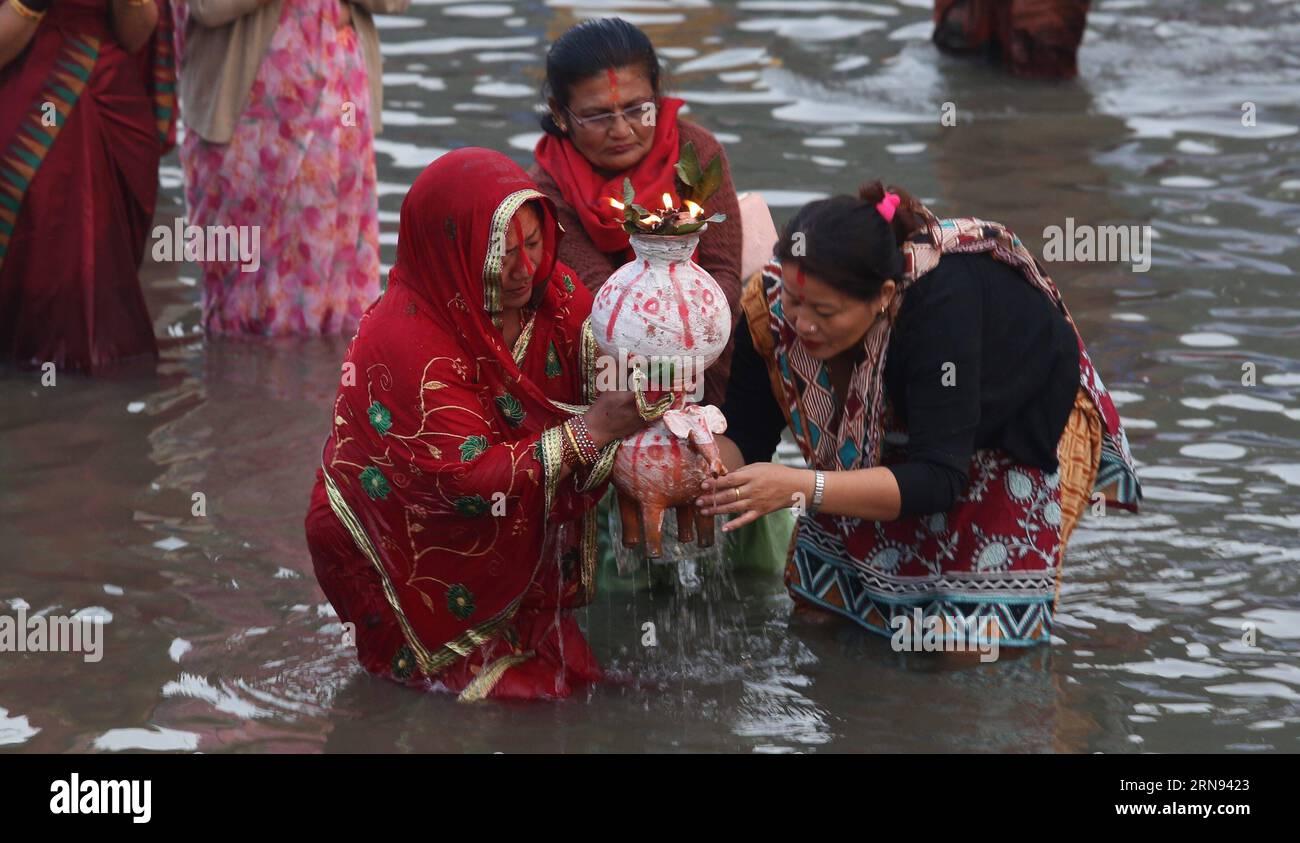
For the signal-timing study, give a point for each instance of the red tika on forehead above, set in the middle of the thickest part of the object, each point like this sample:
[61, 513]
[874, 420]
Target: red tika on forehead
[799, 279]
[613, 88]
[529, 266]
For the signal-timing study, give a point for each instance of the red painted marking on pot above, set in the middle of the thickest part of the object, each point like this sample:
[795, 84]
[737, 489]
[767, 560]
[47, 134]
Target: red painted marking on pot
[682, 310]
[618, 305]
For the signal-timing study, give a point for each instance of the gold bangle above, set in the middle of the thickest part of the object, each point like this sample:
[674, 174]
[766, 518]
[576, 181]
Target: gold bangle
[573, 442]
[25, 12]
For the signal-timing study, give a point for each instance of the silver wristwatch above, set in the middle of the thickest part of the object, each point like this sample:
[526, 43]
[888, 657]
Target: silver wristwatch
[819, 486]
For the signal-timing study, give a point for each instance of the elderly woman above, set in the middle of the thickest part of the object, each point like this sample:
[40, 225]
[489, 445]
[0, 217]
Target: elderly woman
[451, 520]
[88, 112]
[607, 121]
[954, 424]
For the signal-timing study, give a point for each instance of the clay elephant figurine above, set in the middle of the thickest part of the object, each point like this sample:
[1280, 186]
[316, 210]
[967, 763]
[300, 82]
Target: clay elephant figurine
[663, 467]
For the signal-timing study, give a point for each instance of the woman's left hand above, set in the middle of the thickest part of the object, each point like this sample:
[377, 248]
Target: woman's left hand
[763, 487]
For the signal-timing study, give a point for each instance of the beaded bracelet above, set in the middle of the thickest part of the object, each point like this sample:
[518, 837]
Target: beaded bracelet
[569, 454]
[582, 438]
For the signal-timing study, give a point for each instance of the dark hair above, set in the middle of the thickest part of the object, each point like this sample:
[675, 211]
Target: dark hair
[847, 243]
[590, 48]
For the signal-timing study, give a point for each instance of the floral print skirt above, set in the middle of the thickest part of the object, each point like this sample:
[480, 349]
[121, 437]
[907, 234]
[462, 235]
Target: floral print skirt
[298, 179]
[990, 567]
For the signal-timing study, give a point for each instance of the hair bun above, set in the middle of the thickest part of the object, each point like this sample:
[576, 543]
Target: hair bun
[871, 192]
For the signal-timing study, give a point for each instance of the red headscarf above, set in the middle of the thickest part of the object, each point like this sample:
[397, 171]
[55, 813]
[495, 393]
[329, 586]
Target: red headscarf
[588, 192]
[433, 464]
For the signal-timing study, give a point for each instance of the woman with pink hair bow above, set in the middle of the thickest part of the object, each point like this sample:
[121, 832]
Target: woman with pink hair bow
[952, 421]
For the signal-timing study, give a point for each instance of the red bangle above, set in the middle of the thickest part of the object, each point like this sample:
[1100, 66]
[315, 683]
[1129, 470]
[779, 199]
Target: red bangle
[569, 453]
[582, 438]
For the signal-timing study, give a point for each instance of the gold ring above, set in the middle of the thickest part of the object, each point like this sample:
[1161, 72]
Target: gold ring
[736, 489]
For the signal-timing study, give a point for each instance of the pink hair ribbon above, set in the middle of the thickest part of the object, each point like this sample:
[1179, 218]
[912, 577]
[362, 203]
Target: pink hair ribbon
[888, 205]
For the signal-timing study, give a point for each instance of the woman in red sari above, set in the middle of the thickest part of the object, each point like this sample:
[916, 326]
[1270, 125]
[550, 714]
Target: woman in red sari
[89, 109]
[444, 524]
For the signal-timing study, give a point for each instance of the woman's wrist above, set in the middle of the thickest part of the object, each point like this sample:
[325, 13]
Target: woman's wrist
[31, 9]
[805, 488]
[595, 430]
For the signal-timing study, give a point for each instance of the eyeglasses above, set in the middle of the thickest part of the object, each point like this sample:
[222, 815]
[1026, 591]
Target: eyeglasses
[643, 113]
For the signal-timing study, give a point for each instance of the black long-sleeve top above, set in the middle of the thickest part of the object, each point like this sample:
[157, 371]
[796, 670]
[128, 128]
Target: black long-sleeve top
[1014, 375]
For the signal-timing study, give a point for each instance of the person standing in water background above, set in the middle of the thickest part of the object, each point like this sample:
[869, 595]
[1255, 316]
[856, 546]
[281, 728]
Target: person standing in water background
[607, 120]
[281, 100]
[1028, 37]
[88, 111]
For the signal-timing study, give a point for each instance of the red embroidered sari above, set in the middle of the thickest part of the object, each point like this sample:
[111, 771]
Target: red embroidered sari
[82, 129]
[438, 525]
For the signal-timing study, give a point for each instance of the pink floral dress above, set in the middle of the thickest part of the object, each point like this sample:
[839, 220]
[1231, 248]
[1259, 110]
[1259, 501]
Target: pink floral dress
[301, 168]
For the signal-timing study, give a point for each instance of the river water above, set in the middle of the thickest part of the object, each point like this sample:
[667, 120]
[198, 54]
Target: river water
[1179, 628]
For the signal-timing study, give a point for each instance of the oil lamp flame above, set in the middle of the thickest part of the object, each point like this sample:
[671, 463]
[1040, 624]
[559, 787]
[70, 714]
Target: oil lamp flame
[695, 210]
[668, 202]
[617, 204]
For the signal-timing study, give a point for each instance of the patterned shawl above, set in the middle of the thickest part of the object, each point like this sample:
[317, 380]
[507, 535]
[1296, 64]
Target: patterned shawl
[856, 440]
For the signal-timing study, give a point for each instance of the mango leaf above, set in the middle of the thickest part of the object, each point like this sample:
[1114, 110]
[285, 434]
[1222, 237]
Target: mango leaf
[717, 218]
[688, 166]
[709, 181]
[689, 227]
[628, 193]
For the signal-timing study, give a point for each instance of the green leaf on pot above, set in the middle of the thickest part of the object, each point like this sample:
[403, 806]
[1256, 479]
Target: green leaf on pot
[717, 218]
[628, 193]
[709, 181]
[688, 227]
[688, 166]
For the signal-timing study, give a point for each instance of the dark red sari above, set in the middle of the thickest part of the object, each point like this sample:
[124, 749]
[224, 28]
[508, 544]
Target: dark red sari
[77, 190]
[438, 525]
